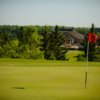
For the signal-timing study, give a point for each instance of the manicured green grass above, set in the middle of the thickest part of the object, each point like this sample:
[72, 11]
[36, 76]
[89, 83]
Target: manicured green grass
[22, 79]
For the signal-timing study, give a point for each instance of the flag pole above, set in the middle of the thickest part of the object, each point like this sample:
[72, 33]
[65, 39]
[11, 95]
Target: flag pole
[86, 74]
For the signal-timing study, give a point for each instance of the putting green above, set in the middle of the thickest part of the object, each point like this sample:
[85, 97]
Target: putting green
[48, 80]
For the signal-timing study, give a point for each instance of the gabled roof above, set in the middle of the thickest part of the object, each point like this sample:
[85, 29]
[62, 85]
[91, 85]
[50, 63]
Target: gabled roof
[74, 34]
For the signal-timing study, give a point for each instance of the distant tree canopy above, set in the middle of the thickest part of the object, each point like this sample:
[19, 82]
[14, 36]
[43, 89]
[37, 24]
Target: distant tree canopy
[82, 30]
[20, 42]
[35, 42]
[92, 45]
[52, 44]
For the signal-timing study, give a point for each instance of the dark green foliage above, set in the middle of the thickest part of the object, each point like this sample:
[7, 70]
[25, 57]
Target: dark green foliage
[91, 50]
[98, 40]
[81, 57]
[92, 46]
[82, 30]
[56, 43]
[37, 42]
[20, 42]
[45, 42]
[1, 51]
[52, 42]
[97, 54]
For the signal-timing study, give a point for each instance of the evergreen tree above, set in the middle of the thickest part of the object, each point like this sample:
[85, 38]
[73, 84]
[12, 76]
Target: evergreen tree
[56, 44]
[52, 44]
[91, 46]
[45, 41]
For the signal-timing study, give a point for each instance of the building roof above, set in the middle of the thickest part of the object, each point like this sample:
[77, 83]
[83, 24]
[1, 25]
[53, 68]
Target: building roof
[74, 34]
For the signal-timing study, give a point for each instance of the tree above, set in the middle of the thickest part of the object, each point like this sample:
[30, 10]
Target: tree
[82, 30]
[92, 46]
[45, 41]
[25, 42]
[31, 41]
[56, 43]
[52, 44]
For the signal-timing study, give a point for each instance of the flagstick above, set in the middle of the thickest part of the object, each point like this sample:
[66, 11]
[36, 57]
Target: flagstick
[87, 65]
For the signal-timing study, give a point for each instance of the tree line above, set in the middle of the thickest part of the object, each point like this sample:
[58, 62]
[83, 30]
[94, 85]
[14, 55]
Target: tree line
[34, 42]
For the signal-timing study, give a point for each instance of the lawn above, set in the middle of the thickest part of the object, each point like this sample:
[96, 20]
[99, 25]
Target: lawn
[22, 79]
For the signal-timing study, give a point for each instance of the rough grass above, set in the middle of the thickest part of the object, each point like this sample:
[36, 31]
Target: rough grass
[22, 79]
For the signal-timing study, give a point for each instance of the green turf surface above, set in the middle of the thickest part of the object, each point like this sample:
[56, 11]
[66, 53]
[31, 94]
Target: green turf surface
[22, 79]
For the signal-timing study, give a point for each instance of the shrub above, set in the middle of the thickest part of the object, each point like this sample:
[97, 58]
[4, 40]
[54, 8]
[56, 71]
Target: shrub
[1, 51]
[97, 54]
[81, 57]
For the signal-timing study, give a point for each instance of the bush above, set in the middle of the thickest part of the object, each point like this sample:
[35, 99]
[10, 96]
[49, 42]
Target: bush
[97, 54]
[97, 58]
[1, 51]
[8, 52]
[81, 57]
[36, 54]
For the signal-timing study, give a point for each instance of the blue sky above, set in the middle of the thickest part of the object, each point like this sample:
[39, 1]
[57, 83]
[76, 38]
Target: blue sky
[77, 13]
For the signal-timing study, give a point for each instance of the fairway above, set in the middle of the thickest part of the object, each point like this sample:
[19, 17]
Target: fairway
[48, 80]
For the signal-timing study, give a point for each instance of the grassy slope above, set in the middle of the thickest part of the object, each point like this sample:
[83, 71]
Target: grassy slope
[48, 80]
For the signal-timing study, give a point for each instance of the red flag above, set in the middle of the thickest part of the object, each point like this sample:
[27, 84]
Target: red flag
[92, 37]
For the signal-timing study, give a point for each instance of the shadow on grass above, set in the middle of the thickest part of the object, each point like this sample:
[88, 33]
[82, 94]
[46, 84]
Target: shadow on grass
[18, 87]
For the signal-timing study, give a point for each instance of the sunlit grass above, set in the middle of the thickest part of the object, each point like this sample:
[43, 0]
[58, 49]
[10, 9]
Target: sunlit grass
[22, 79]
